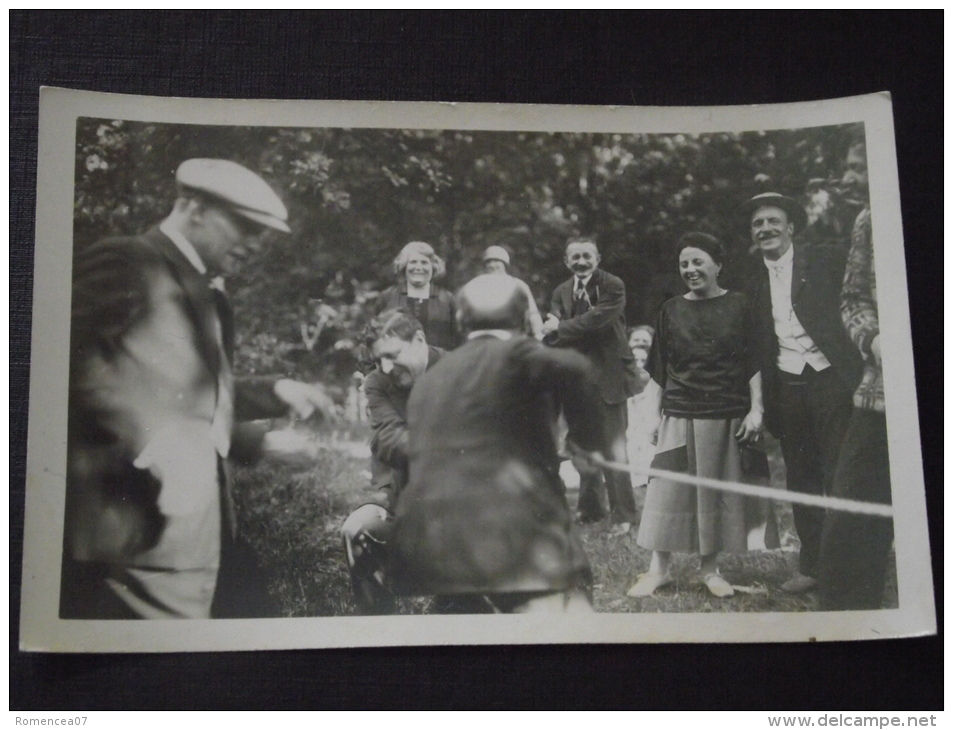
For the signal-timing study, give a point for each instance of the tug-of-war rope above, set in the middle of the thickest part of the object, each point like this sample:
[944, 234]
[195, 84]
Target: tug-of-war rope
[840, 504]
[750, 490]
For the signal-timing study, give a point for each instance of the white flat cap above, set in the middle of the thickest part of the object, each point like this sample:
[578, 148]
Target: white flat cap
[242, 190]
[497, 253]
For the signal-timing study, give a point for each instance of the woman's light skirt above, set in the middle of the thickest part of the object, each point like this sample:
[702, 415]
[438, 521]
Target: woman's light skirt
[682, 518]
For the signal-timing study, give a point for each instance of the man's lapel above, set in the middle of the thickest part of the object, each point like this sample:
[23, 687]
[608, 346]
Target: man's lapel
[567, 295]
[762, 295]
[200, 301]
[592, 287]
[798, 274]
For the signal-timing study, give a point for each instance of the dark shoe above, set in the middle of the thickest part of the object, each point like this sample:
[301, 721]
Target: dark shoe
[591, 519]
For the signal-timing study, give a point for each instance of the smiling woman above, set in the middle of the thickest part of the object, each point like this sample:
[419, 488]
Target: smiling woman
[416, 266]
[705, 396]
[699, 262]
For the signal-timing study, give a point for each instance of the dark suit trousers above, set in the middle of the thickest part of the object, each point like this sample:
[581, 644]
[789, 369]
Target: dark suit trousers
[242, 587]
[618, 485]
[814, 409]
[855, 548]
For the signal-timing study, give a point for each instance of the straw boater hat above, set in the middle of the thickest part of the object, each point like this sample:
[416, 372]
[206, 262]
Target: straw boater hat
[795, 210]
[237, 188]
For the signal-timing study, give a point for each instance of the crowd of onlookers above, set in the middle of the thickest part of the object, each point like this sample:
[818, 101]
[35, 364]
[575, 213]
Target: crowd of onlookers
[475, 398]
[693, 394]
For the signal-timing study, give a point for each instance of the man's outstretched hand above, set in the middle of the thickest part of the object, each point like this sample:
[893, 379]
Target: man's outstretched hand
[306, 400]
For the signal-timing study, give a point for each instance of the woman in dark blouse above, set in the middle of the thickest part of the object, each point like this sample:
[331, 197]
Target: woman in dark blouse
[416, 266]
[705, 392]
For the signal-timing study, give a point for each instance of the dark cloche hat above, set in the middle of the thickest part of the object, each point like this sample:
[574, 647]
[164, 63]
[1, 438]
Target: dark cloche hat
[795, 210]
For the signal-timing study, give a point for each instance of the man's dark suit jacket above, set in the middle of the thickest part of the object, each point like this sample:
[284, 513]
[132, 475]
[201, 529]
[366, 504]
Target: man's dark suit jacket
[599, 334]
[485, 510]
[387, 409]
[816, 281]
[144, 356]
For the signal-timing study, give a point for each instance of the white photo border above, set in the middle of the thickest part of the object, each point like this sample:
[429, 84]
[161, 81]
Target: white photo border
[42, 630]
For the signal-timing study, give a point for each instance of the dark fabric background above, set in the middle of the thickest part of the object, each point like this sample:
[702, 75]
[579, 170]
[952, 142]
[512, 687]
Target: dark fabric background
[646, 58]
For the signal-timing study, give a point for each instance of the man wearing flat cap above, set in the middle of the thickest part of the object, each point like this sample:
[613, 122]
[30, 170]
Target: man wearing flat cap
[810, 368]
[149, 524]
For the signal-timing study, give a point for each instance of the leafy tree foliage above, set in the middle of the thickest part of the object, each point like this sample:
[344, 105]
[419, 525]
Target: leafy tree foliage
[356, 196]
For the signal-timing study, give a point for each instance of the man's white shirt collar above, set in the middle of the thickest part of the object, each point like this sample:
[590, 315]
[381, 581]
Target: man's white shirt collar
[780, 263]
[182, 243]
[581, 283]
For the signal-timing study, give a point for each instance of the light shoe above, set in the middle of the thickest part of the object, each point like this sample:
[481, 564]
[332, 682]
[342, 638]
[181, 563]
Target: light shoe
[648, 583]
[799, 584]
[718, 586]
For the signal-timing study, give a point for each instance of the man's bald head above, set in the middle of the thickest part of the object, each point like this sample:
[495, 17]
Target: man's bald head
[491, 302]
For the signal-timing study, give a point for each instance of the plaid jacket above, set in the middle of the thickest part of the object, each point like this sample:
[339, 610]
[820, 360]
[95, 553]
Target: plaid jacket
[859, 311]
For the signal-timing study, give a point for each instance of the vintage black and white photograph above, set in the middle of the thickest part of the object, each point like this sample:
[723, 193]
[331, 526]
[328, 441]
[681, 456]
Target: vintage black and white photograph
[365, 374]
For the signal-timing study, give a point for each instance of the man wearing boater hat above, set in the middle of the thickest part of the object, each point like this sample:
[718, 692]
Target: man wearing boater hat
[810, 369]
[149, 524]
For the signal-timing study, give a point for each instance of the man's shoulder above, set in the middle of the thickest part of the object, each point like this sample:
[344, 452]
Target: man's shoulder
[753, 278]
[150, 248]
[823, 266]
[434, 355]
[483, 349]
[822, 255]
[115, 264]
[530, 349]
[114, 281]
[376, 381]
[139, 242]
[606, 278]
[863, 217]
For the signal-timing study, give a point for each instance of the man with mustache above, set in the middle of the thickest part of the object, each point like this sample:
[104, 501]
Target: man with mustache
[811, 367]
[588, 314]
[855, 548]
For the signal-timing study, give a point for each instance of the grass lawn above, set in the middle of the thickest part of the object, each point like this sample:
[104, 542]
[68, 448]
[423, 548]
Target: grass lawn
[292, 518]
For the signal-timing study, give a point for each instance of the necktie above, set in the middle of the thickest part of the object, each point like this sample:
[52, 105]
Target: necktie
[581, 301]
